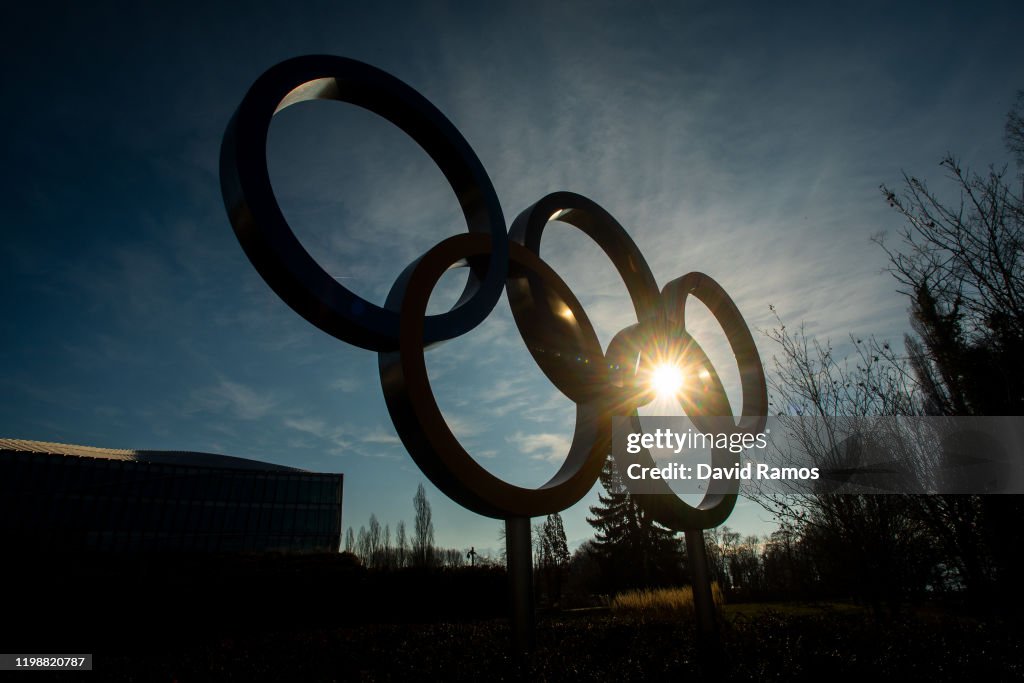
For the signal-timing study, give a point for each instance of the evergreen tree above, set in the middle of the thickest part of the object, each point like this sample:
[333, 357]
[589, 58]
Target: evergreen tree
[633, 549]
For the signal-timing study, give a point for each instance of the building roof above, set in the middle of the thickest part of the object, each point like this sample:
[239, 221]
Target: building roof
[186, 458]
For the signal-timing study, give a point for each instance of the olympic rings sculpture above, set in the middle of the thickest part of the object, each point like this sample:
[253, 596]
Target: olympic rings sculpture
[550, 319]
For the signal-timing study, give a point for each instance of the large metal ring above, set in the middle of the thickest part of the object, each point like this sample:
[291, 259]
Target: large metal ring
[542, 328]
[707, 405]
[278, 255]
[422, 427]
[599, 225]
[754, 413]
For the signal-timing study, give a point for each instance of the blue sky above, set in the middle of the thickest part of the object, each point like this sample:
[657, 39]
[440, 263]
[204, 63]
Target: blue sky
[747, 142]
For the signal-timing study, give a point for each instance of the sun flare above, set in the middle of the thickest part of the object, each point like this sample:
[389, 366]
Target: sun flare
[666, 380]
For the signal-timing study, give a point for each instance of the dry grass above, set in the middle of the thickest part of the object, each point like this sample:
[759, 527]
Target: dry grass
[661, 603]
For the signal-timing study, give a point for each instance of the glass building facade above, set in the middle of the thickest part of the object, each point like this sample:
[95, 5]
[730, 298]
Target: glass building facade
[59, 497]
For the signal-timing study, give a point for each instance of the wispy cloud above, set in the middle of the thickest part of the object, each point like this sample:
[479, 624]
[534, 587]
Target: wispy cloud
[379, 436]
[546, 447]
[234, 398]
[327, 437]
[309, 425]
[345, 385]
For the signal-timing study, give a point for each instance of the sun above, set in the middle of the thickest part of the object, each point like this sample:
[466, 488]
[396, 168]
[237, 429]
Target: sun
[666, 380]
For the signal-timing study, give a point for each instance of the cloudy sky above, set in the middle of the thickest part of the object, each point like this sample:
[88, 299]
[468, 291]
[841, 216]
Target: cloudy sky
[747, 142]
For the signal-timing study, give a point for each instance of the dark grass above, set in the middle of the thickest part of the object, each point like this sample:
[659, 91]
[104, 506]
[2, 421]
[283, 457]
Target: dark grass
[762, 644]
[268, 618]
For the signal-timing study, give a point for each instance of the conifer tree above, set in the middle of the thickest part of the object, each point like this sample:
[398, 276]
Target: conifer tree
[633, 549]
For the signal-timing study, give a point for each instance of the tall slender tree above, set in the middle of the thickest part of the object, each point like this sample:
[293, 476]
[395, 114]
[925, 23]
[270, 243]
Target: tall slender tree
[553, 556]
[373, 543]
[423, 530]
[401, 545]
[350, 541]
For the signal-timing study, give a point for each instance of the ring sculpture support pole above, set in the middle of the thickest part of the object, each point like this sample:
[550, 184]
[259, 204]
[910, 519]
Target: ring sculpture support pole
[703, 600]
[519, 560]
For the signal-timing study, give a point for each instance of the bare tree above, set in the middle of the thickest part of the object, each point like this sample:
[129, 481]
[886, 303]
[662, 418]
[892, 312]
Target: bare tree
[401, 545]
[423, 530]
[373, 542]
[1015, 130]
[450, 558]
[962, 265]
[552, 556]
[363, 545]
[350, 541]
[387, 552]
[870, 546]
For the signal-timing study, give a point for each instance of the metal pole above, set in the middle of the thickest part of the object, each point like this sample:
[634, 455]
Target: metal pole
[703, 603]
[519, 561]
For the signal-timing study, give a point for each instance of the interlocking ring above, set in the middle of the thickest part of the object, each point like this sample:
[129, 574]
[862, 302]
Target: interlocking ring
[664, 335]
[422, 427]
[550, 318]
[278, 255]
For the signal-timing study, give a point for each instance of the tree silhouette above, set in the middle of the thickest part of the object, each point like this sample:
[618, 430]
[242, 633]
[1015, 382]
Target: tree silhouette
[401, 545]
[423, 531]
[632, 548]
[961, 265]
[553, 556]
